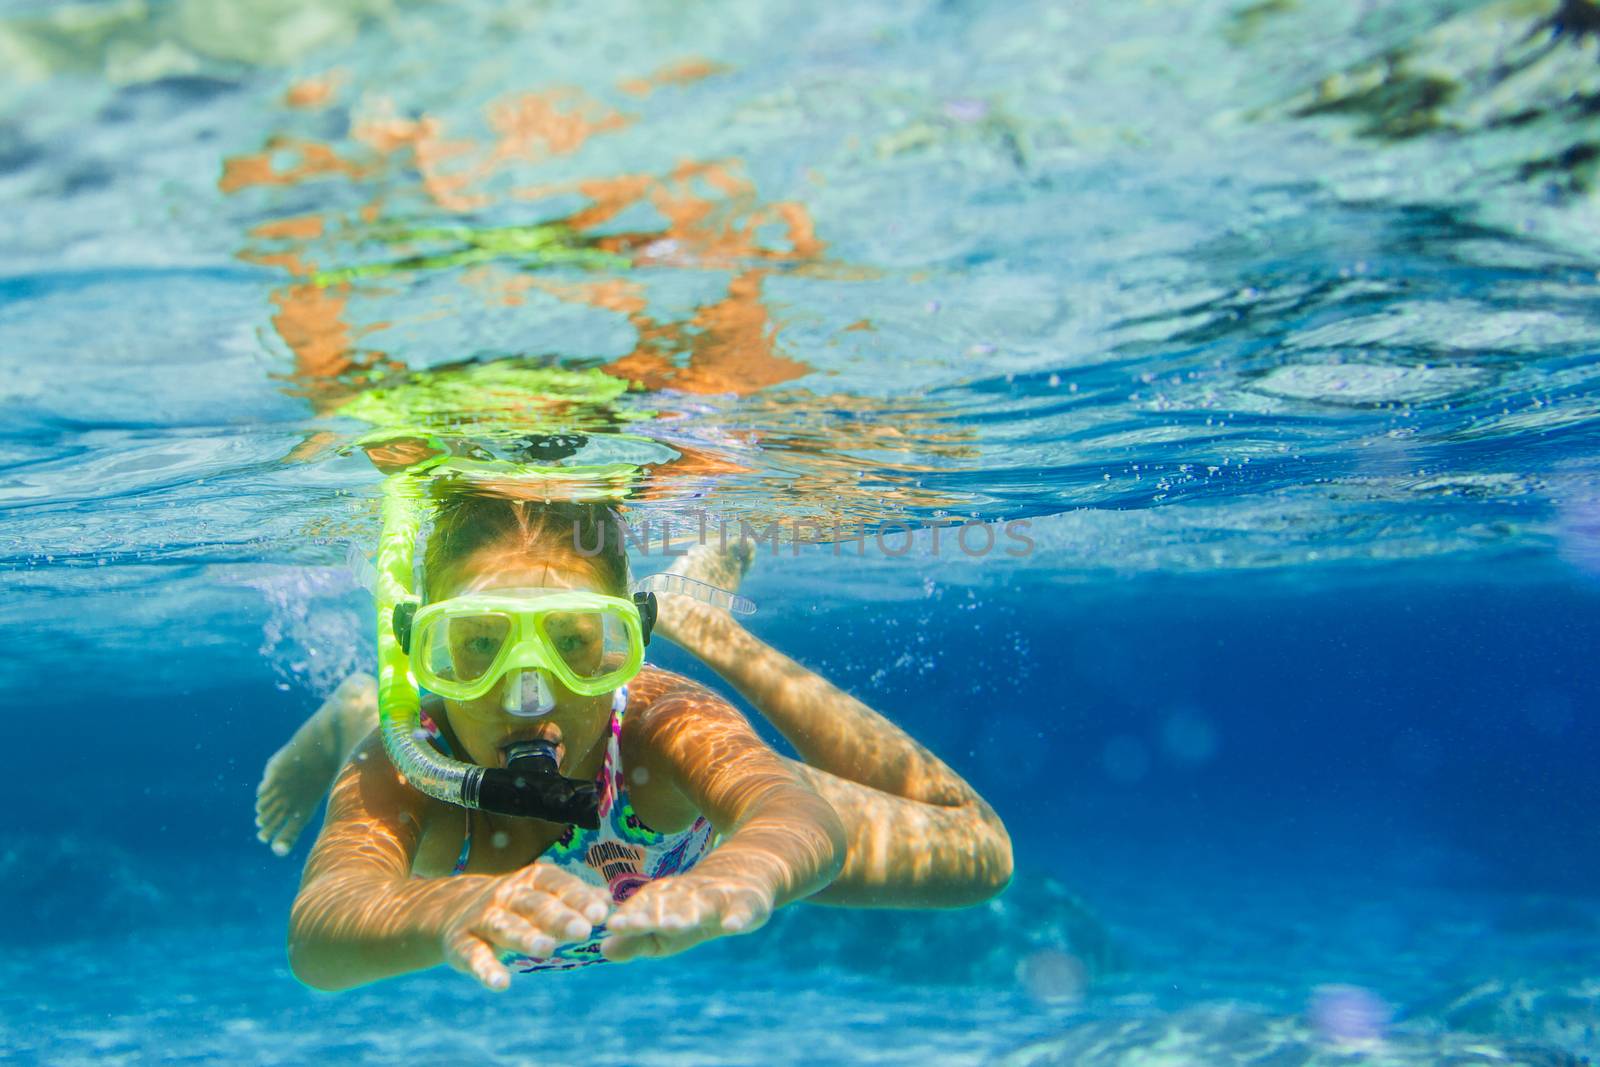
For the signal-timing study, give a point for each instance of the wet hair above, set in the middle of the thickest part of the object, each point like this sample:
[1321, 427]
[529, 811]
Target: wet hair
[586, 534]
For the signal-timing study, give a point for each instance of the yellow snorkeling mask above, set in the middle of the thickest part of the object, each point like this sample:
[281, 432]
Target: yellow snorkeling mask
[590, 642]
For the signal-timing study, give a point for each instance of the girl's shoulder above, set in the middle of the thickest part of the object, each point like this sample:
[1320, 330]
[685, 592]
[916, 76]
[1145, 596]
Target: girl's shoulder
[653, 715]
[381, 783]
[652, 683]
[656, 695]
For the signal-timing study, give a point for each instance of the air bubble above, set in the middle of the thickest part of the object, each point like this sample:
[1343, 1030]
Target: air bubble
[1348, 1015]
[1053, 978]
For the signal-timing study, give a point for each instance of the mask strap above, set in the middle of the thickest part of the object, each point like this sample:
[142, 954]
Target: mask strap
[666, 582]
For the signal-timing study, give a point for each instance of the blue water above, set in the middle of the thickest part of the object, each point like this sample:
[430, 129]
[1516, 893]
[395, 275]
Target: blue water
[1273, 323]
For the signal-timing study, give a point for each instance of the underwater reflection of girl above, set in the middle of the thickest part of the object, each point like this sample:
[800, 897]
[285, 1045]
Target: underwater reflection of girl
[703, 829]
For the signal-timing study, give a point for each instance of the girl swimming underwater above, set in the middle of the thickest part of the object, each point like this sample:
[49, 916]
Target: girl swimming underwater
[700, 829]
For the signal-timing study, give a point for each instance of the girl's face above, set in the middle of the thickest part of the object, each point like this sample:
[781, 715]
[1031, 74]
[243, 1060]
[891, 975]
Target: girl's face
[485, 729]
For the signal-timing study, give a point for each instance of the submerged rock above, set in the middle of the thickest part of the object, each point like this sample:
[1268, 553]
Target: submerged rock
[1229, 1036]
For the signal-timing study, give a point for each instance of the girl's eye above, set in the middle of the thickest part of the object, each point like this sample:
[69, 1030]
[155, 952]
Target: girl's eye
[482, 646]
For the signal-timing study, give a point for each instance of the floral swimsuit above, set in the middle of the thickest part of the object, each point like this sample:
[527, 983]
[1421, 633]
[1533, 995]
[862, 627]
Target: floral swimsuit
[622, 855]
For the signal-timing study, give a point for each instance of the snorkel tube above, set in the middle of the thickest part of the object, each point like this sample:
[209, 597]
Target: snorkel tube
[532, 786]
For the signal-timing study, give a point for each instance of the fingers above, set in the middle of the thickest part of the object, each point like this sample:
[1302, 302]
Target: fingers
[526, 926]
[540, 907]
[677, 904]
[641, 946]
[510, 932]
[674, 914]
[529, 912]
[659, 924]
[659, 907]
[549, 914]
[591, 902]
[474, 956]
[671, 939]
[477, 950]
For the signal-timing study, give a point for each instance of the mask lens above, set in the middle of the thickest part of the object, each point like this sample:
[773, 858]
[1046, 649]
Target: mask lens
[590, 643]
[464, 647]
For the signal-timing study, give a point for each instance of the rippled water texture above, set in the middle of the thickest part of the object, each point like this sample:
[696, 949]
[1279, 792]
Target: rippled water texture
[876, 262]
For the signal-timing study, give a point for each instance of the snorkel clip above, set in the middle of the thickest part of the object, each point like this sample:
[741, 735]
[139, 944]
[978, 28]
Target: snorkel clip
[400, 621]
[531, 786]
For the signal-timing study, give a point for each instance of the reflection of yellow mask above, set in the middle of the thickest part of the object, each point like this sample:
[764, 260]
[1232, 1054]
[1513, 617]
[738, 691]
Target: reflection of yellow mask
[590, 642]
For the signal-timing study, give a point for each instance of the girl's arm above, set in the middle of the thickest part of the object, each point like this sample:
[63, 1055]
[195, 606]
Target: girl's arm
[360, 916]
[781, 840]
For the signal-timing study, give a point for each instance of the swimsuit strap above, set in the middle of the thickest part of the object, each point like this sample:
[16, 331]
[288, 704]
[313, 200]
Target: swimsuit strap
[619, 706]
[466, 848]
[611, 784]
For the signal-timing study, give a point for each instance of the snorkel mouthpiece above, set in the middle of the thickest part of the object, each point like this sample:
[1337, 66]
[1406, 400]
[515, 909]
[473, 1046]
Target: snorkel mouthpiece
[527, 694]
[538, 756]
[531, 786]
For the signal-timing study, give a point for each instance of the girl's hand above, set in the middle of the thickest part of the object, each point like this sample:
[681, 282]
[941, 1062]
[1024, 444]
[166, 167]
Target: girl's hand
[678, 912]
[530, 911]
